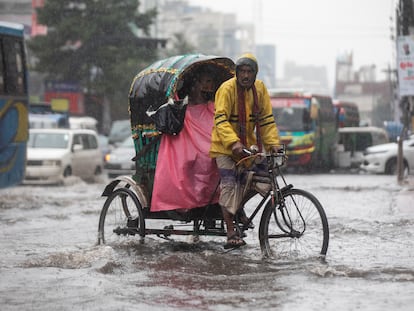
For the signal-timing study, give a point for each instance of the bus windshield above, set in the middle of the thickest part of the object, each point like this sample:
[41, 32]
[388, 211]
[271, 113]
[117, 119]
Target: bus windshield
[292, 119]
[292, 113]
[307, 126]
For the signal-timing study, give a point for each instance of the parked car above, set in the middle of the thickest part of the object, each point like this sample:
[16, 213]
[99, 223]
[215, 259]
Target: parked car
[104, 145]
[53, 154]
[120, 130]
[383, 158]
[119, 160]
[352, 142]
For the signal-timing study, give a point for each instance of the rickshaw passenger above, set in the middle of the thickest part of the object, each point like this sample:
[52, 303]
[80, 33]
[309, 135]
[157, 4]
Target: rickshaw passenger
[186, 176]
[242, 104]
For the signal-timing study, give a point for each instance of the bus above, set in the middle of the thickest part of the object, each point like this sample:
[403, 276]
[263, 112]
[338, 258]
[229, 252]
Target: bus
[42, 115]
[347, 113]
[307, 126]
[13, 104]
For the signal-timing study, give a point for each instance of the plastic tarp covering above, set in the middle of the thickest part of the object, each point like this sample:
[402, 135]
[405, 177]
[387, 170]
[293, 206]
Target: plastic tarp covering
[185, 176]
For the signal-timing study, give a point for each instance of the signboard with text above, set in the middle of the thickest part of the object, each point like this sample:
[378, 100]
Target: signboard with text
[405, 63]
[65, 96]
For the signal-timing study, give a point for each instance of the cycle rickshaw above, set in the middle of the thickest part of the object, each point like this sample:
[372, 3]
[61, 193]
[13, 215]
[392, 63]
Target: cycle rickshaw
[293, 221]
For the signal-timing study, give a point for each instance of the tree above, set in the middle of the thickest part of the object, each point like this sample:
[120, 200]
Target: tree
[180, 46]
[381, 112]
[95, 43]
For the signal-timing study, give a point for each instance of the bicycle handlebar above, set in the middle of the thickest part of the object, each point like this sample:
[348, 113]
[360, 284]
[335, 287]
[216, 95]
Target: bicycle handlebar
[278, 158]
[253, 151]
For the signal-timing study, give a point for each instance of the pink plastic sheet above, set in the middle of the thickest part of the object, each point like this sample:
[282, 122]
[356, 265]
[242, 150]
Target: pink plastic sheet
[185, 175]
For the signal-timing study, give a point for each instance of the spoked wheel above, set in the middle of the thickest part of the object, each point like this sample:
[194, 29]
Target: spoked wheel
[296, 228]
[121, 217]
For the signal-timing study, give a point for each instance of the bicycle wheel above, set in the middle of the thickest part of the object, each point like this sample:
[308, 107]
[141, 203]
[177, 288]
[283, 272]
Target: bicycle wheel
[297, 227]
[121, 217]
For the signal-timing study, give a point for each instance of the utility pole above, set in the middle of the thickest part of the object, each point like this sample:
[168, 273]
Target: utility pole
[405, 19]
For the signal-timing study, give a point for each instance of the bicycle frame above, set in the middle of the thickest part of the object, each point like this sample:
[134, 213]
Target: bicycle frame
[125, 213]
[275, 195]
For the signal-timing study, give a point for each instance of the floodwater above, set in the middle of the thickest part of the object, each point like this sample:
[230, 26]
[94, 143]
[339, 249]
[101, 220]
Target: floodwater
[49, 259]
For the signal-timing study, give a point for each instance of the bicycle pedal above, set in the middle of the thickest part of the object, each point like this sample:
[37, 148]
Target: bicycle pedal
[210, 224]
[132, 223]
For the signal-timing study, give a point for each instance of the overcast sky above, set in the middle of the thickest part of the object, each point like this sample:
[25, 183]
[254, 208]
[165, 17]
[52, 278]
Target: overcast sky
[317, 31]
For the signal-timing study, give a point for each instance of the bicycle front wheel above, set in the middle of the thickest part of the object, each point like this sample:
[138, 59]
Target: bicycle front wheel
[296, 227]
[121, 217]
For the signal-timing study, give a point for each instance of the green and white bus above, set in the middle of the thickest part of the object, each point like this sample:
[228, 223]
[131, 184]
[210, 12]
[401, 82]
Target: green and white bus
[307, 125]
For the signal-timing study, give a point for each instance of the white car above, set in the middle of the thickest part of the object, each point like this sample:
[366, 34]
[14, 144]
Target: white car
[353, 141]
[120, 130]
[53, 154]
[119, 160]
[383, 158]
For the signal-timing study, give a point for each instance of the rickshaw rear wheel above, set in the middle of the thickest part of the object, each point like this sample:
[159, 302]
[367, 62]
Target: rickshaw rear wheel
[121, 217]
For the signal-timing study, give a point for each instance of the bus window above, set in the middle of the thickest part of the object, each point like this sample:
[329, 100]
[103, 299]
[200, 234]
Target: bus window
[2, 90]
[307, 121]
[347, 114]
[291, 114]
[15, 79]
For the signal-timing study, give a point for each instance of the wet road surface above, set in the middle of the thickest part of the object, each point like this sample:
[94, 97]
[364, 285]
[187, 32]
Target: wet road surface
[49, 259]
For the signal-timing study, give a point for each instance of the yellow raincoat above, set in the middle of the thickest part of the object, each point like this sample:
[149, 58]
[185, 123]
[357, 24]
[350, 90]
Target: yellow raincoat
[226, 119]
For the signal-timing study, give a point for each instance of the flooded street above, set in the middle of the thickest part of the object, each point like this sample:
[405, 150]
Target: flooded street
[49, 259]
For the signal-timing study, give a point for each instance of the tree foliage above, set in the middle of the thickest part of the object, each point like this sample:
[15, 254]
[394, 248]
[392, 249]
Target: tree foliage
[95, 43]
[180, 46]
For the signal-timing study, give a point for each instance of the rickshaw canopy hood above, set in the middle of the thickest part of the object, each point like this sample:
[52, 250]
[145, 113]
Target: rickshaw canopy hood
[170, 78]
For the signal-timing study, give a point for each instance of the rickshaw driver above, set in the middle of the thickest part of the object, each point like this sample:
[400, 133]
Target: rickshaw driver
[242, 104]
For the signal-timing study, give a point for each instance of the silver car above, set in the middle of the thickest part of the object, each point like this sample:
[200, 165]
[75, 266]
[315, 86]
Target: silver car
[54, 154]
[119, 160]
[120, 130]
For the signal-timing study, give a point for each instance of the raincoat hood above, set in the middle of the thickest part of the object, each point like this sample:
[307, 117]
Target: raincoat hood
[248, 59]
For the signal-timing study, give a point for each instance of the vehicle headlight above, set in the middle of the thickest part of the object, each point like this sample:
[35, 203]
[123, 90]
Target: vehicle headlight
[108, 157]
[52, 162]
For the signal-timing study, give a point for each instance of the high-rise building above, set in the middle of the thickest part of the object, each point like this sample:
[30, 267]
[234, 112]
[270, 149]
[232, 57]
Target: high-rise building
[209, 32]
[309, 78]
[265, 54]
[17, 11]
[361, 87]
